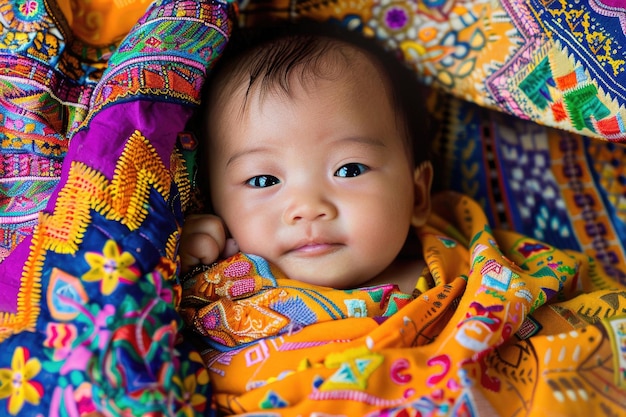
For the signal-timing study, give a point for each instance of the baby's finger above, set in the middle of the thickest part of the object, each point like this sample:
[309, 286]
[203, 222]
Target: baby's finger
[198, 248]
[207, 224]
[230, 248]
[202, 241]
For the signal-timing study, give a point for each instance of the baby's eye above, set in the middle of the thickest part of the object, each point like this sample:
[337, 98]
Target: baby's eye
[262, 181]
[351, 170]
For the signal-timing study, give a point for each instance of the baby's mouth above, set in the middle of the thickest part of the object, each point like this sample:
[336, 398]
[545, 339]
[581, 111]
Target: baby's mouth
[314, 248]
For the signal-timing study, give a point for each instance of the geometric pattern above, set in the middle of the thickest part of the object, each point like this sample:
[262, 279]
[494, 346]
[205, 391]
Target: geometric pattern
[556, 186]
[454, 349]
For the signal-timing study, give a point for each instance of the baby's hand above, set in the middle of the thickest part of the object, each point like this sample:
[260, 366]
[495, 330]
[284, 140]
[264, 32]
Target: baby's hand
[203, 240]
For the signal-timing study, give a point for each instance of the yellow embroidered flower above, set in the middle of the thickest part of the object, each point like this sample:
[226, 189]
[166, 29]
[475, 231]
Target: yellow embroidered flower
[16, 383]
[194, 401]
[110, 267]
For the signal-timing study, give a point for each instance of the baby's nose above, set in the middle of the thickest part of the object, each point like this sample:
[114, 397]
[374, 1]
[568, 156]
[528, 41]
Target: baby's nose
[309, 205]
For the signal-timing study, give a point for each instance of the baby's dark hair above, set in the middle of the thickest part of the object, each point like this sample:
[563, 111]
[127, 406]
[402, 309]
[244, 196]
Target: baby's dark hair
[272, 54]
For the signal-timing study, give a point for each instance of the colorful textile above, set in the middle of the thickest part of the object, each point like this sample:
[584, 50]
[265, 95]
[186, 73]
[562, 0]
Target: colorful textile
[508, 328]
[48, 74]
[88, 318]
[100, 23]
[243, 299]
[93, 188]
[558, 63]
[554, 185]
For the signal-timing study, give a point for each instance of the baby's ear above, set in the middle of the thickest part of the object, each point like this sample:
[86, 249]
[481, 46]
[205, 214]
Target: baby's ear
[422, 181]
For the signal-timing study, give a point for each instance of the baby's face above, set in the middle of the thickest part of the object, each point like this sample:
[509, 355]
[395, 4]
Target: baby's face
[318, 182]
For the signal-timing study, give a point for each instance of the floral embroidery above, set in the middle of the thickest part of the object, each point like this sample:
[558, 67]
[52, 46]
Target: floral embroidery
[110, 267]
[16, 383]
[396, 18]
[194, 401]
[29, 8]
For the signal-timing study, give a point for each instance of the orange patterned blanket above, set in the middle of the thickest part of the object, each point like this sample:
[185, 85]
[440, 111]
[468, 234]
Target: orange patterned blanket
[504, 329]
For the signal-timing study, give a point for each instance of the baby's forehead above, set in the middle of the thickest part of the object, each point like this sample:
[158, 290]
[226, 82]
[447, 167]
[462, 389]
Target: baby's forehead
[280, 67]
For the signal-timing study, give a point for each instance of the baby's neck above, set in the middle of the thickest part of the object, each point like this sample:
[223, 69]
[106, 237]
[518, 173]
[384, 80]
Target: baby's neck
[402, 272]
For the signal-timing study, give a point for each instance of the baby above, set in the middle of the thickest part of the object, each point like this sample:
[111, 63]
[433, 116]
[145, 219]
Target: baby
[311, 159]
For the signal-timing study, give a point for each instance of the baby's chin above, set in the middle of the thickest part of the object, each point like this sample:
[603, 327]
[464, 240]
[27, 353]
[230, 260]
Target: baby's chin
[336, 269]
[327, 278]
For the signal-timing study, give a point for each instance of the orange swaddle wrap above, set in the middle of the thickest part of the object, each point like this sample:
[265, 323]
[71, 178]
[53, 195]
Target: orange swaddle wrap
[506, 329]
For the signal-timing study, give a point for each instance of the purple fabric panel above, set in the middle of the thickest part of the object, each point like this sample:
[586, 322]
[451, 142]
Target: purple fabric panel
[160, 122]
[11, 272]
[616, 4]
[100, 146]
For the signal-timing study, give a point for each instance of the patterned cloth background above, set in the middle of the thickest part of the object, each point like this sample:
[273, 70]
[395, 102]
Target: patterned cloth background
[557, 186]
[93, 186]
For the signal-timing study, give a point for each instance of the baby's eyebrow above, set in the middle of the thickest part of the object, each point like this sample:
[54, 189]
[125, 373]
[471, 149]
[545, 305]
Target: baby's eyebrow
[245, 152]
[366, 140]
